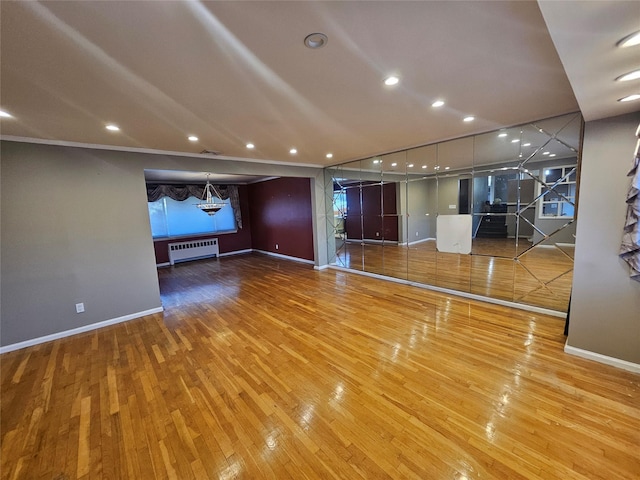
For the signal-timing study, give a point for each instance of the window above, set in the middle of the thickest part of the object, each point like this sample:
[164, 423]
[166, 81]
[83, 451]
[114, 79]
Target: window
[171, 218]
[559, 196]
[339, 203]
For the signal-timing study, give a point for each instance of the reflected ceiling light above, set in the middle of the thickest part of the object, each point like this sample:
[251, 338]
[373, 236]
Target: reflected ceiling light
[437, 103]
[447, 168]
[376, 161]
[329, 155]
[193, 138]
[424, 166]
[502, 135]
[315, 40]
[552, 155]
[293, 151]
[526, 144]
[630, 98]
[410, 165]
[113, 128]
[250, 146]
[515, 140]
[545, 153]
[391, 80]
[468, 119]
[394, 164]
[4, 114]
[629, 76]
[630, 40]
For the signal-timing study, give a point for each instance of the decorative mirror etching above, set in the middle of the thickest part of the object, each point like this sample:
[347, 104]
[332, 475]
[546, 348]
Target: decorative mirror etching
[516, 187]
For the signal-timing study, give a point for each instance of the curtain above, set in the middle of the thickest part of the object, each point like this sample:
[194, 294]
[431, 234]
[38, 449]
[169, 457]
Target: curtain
[182, 192]
[630, 248]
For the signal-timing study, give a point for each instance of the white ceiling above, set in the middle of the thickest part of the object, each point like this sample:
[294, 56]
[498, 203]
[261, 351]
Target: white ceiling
[237, 72]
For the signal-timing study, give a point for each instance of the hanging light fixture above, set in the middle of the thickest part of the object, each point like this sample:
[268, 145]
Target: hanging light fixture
[208, 204]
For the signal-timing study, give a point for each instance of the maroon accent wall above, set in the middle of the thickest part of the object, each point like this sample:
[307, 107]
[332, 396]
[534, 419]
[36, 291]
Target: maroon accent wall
[368, 223]
[227, 242]
[280, 212]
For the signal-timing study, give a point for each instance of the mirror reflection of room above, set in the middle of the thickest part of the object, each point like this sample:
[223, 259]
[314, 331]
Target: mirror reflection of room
[491, 215]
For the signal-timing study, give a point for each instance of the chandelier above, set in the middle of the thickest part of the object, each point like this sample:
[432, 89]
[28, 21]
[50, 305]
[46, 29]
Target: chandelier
[208, 204]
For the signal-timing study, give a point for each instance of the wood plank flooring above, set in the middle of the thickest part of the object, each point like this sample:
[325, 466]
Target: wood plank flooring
[265, 368]
[541, 276]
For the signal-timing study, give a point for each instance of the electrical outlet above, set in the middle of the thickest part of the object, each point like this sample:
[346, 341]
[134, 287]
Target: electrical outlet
[416, 234]
[79, 307]
[377, 234]
[276, 246]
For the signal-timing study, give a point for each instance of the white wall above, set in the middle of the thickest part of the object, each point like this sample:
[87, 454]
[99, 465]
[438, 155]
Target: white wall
[605, 306]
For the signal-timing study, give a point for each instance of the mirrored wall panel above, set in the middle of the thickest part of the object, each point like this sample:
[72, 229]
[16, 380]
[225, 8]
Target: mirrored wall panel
[492, 214]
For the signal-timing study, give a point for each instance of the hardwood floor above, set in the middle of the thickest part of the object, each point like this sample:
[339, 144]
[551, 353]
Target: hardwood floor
[266, 368]
[541, 276]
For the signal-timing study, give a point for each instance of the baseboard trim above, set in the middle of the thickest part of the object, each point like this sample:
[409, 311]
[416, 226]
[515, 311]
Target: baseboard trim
[76, 331]
[598, 357]
[457, 293]
[161, 265]
[415, 242]
[320, 267]
[371, 241]
[286, 257]
[236, 252]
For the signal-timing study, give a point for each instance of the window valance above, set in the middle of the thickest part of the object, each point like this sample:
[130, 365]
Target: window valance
[182, 192]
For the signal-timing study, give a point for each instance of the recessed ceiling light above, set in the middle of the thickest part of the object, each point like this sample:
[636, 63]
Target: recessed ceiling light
[630, 98]
[630, 40]
[4, 114]
[437, 103]
[376, 161]
[447, 168]
[437, 167]
[469, 119]
[250, 146]
[410, 165]
[193, 138]
[545, 153]
[526, 144]
[424, 166]
[391, 80]
[293, 151]
[552, 155]
[502, 135]
[394, 164]
[315, 40]
[629, 76]
[329, 155]
[515, 140]
[113, 128]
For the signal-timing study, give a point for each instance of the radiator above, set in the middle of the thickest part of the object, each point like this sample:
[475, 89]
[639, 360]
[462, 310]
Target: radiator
[193, 249]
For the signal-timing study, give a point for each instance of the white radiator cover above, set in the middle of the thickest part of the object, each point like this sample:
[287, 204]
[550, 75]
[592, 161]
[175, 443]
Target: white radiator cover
[190, 250]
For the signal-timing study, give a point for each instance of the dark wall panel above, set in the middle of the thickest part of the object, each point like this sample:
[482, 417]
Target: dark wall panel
[281, 214]
[368, 223]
